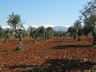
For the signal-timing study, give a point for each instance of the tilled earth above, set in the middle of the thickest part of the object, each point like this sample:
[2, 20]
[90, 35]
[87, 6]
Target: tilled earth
[55, 55]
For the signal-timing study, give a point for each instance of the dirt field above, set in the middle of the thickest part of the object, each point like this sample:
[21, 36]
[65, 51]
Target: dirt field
[55, 55]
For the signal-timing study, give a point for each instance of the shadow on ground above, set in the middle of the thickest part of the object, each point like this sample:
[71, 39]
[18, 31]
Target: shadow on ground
[72, 46]
[57, 65]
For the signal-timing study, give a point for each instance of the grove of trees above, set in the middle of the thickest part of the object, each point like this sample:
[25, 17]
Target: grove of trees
[88, 18]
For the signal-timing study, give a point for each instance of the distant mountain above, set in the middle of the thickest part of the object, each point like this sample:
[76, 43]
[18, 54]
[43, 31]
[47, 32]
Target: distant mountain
[56, 28]
[60, 28]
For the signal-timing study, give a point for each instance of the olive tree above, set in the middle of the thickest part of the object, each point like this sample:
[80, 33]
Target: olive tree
[56, 35]
[41, 31]
[61, 34]
[30, 30]
[85, 31]
[77, 26]
[1, 32]
[15, 22]
[72, 32]
[34, 34]
[7, 34]
[49, 33]
[89, 18]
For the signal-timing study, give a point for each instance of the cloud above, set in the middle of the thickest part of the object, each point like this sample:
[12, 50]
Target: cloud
[45, 25]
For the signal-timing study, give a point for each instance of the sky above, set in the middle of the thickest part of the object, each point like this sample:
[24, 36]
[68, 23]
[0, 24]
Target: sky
[42, 12]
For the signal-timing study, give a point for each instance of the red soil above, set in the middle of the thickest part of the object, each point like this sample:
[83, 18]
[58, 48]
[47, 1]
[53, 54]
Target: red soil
[37, 54]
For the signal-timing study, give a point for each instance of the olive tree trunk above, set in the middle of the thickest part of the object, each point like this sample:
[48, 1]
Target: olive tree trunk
[20, 41]
[74, 37]
[35, 37]
[94, 36]
[78, 38]
[46, 38]
[5, 39]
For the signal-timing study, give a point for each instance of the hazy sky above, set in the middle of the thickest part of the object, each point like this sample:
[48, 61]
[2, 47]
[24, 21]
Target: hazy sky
[42, 12]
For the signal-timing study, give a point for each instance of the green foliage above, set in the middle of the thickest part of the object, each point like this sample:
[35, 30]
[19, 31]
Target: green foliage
[1, 32]
[85, 31]
[89, 15]
[77, 26]
[14, 20]
[7, 33]
[41, 31]
[89, 18]
[49, 33]
[30, 30]
[34, 34]
[72, 32]
[61, 34]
